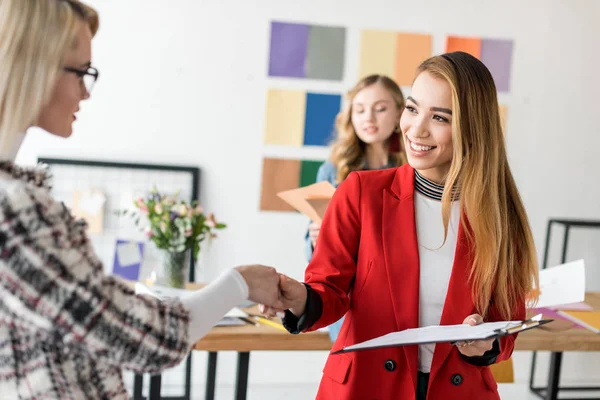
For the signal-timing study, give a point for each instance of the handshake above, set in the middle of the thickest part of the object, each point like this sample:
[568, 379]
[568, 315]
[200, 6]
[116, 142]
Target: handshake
[274, 292]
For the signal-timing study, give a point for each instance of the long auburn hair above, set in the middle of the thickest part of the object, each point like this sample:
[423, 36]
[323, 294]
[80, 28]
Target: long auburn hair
[505, 266]
[348, 152]
[35, 36]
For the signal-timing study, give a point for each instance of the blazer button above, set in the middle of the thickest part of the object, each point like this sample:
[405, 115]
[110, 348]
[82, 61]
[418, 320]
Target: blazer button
[457, 379]
[390, 365]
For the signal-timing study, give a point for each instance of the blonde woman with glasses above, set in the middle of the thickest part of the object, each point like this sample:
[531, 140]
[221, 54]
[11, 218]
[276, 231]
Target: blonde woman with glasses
[66, 329]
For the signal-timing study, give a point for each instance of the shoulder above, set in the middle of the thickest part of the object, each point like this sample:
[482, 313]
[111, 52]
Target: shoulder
[372, 182]
[30, 209]
[327, 172]
[378, 177]
[18, 195]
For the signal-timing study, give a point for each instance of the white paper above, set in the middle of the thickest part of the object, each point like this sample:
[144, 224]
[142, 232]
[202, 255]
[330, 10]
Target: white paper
[236, 312]
[230, 322]
[129, 254]
[563, 284]
[437, 334]
[161, 292]
[91, 202]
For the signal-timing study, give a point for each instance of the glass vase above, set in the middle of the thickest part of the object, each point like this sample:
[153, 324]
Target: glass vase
[175, 268]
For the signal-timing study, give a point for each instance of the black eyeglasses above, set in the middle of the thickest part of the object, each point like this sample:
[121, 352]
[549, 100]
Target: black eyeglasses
[88, 77]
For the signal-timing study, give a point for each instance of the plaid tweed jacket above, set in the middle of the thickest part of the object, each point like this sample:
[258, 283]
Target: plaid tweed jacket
[66, 329]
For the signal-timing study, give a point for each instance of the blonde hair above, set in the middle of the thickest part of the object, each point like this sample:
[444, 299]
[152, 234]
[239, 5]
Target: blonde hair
[35, 36]
[348, 151]
[504, 258]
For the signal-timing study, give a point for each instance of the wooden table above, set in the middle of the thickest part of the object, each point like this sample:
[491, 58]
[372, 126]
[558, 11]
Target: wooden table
[558, 337]
[247, 338]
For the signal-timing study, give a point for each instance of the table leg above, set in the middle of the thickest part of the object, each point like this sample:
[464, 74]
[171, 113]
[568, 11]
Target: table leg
[138, 384]
[241, 386]
[211, 376]
[188, 378]
[155, 382]
[554, 376]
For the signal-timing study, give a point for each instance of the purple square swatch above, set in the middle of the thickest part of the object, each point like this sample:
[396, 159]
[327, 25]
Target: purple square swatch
[289, 47]
[497, 56]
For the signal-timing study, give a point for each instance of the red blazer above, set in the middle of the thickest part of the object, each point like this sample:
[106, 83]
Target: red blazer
[366, 263]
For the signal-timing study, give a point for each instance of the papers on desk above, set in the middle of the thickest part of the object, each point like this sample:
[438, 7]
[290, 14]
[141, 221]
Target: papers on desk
[589, 320]
[560, 285]
[234, 317]
[447, 334]
[311, 200]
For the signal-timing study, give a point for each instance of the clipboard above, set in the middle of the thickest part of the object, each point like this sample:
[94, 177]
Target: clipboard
[447, 334]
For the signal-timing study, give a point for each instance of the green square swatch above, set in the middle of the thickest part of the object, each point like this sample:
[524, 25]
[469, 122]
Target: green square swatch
[308, 172]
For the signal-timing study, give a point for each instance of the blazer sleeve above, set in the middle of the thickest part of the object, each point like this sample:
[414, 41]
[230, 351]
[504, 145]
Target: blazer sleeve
[52, 279]
[507, 343]
[333, 266]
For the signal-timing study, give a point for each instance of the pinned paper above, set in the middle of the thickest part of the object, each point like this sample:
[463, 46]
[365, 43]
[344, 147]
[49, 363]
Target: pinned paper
[307, 51]
[89, 205]
[297, 198]
[285, 116]
[326, 52]
[496, 54]
[278, 175]
[289, 43]
[129, 254]
[411, 51]
[469, 45]
[503, 116]
[321, 111]
[377, 53]
[128, 259]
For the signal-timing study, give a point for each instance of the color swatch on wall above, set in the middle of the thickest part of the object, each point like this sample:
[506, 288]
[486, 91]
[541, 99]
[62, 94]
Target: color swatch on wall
[299, 118]
[496, 54]
[503, 116]
[282, 174]
[307, 51]
[394, 54]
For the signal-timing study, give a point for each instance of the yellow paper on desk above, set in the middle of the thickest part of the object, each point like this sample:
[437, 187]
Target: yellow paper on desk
[311, 200]
[588, 319]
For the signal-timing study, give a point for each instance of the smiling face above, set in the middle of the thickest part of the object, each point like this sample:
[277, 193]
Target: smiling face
[58, 115]
[374, 114]
[426, 125]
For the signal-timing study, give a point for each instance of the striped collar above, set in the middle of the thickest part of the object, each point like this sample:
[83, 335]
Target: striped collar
[428, 188]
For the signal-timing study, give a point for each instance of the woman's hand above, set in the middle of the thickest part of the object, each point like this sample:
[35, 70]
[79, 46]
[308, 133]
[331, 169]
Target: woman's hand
[263, 284]
[293, 297]
[477, 347]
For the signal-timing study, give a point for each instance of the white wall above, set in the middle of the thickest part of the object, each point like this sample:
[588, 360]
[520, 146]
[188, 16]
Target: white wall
[184, 81]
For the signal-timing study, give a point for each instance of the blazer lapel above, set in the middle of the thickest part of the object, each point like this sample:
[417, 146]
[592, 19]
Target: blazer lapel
[402, 256]
[459, 301]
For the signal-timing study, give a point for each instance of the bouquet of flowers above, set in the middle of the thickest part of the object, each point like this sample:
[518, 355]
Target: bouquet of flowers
[174, 226]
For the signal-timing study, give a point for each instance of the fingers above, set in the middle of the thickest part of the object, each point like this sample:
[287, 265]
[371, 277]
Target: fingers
[270, 312]
[314, 226]
[473, 319]
[475, 348]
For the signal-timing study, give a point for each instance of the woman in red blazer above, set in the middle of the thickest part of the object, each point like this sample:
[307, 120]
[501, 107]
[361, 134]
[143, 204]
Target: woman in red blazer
[375, 259]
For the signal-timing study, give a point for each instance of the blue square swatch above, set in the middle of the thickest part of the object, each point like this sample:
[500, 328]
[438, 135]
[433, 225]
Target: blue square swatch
[321, 110]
